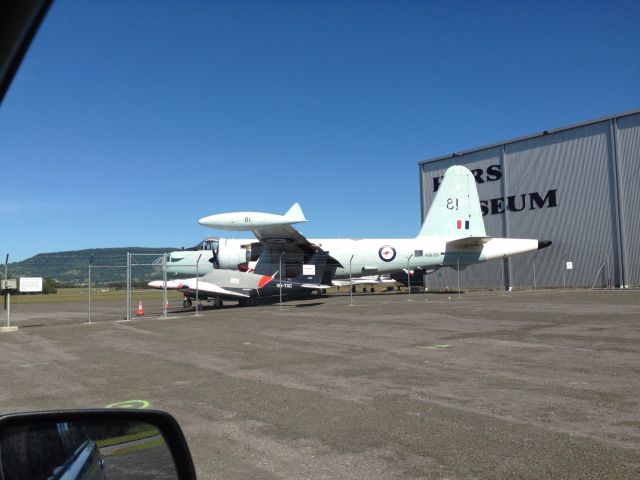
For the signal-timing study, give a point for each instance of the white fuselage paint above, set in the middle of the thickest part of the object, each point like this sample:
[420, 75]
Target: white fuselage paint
[367, 256]
[394, 255]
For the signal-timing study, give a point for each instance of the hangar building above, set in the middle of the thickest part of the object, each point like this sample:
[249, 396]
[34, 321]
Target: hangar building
[578, 186]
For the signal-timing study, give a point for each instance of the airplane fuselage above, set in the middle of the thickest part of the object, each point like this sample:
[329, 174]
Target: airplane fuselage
[366, 256]
[385, 256]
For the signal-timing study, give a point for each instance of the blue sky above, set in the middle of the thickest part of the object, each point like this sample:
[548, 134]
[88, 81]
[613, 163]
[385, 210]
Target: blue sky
[129, 121]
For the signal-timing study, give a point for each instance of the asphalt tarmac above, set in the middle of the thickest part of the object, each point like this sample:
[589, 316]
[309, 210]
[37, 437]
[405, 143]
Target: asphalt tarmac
[520, 385]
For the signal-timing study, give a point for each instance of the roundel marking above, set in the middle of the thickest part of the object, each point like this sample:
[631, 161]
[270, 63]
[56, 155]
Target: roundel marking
[387, 253]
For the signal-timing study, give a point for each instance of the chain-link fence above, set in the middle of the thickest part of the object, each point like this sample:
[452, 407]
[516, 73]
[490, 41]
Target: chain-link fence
[524, 272]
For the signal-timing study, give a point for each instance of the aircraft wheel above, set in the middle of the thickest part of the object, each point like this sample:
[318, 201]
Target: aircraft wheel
[186, 303]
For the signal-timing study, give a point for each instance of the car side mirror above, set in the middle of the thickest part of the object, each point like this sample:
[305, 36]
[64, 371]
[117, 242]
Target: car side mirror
[93, 444]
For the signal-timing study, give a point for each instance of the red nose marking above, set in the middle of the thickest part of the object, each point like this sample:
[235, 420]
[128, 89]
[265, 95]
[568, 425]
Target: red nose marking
[264, 280]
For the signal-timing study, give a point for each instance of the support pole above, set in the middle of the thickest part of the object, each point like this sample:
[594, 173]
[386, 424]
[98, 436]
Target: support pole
[350, 283]
[409, 276]
[7, 295]
[458, 264]
[534, 273]
[128, 315]
[164, 286]
[280, 274]
[90, 262]
[198, 286]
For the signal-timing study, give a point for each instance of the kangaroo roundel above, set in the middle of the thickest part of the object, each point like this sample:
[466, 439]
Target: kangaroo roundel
[387, 253]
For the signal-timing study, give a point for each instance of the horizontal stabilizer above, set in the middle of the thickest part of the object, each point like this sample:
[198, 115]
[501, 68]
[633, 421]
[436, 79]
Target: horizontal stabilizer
[314, 286]
[369, 280]
[468, 242]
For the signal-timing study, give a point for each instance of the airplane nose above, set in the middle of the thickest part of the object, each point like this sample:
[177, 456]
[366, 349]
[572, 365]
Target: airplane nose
[543, 244]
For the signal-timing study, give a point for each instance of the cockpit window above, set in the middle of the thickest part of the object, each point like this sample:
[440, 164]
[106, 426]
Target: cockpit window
[210, 245]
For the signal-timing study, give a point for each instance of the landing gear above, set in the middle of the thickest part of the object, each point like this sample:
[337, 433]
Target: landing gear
[186, 303]
[217, 302]
[245, 302]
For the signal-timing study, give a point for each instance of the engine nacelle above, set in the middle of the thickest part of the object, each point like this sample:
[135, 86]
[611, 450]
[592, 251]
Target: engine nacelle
[230, 254]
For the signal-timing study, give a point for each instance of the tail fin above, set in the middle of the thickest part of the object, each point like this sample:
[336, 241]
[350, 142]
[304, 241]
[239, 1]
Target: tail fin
[455, 210]
[295, 214]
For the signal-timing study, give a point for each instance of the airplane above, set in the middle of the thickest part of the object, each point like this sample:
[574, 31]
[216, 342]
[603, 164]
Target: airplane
[246, 287]
[211, 253]
[452, 235]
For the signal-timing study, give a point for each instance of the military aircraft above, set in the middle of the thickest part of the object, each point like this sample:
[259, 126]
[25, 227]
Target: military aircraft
[245, 287]
[452, 235]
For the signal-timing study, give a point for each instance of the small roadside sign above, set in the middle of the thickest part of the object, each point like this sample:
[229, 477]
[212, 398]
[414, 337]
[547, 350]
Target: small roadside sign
[9, 284]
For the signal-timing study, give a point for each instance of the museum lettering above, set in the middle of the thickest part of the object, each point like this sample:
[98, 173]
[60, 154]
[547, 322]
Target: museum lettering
[512, 203]
[518, 203]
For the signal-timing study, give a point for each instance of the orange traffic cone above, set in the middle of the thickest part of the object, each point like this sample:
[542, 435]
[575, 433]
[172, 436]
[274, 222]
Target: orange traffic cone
[167, 305]
[140, 310]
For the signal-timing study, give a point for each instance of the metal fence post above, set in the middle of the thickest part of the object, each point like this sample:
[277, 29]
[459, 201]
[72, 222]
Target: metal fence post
[7, 294]
[280, 274]
[458, 270]
[90, 261]
[128, 315]
[409, 276]
[350, 283]
[164, 286]
[197, 286]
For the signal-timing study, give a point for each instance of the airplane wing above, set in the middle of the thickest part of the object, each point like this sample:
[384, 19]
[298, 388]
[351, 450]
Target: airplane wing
[279, 241]
[468, 242]
[283, 238]
[213, 288]
[189, 285]
[368, 280]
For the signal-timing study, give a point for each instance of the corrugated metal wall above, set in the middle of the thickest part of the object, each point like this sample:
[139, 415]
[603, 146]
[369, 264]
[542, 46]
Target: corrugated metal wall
[627, 130]
[578, 187]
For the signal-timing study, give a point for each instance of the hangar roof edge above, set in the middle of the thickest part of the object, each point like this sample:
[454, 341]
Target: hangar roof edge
[528, 137]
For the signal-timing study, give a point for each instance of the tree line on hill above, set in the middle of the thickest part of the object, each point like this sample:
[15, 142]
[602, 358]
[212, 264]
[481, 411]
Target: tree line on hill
[108, 268]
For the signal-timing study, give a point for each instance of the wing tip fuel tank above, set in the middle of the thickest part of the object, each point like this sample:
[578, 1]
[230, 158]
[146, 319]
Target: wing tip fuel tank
[252, 220]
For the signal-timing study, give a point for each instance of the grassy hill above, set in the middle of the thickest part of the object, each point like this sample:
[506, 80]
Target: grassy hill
[72, 267]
